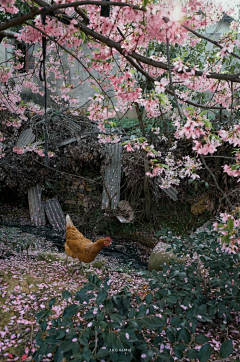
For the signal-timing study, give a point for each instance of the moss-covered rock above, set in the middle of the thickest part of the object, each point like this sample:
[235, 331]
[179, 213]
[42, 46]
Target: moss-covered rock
[99, 264]
[160, 255]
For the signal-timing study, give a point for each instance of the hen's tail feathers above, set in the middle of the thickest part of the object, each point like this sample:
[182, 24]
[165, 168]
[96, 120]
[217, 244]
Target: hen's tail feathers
[69, 221]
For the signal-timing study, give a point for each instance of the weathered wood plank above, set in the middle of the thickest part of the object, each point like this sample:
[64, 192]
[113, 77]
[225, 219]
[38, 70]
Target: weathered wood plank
[171, 192]
[35, 206]
[122, 219]
[26, 138]
[55, 214]
[113, 177]
[71, 125]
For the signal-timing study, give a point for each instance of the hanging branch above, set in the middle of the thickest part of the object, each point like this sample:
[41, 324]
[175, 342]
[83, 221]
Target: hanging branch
[216, 183]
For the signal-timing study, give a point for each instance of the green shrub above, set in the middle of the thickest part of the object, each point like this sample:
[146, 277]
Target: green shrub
[126, 328]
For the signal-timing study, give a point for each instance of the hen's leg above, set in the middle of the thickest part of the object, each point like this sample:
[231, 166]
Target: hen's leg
[81, 265]
[65, 263]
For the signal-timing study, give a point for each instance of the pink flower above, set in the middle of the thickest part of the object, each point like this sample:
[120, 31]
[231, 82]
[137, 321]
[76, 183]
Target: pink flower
[160, 86]
[128, 147]
[18, 150]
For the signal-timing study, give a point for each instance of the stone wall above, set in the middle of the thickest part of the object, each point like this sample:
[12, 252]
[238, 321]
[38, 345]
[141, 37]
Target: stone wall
[79, 196]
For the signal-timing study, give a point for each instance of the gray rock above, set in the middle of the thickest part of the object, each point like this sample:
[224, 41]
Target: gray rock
[159, 256]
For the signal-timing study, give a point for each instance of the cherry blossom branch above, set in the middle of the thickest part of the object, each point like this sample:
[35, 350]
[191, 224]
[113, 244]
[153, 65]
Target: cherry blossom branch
[90, 2]
[74, 56]
[109, 42]
[216, 183]
[54, 8]
[209, 40]
[112, 44]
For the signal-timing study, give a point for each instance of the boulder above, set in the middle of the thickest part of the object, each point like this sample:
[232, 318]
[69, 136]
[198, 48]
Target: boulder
[159, 256]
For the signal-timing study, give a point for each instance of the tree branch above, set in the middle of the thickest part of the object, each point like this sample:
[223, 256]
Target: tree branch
[7, 34]
[209, 40]
[54, 8]
[216, 183]
[82, 14]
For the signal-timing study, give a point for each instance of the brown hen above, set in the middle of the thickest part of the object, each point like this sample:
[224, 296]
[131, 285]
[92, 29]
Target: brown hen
[77, 246]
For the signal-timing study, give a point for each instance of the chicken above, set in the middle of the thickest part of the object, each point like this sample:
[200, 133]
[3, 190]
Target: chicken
[77, 246]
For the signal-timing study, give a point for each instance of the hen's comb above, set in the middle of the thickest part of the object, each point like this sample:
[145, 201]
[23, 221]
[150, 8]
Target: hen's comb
[108, 238]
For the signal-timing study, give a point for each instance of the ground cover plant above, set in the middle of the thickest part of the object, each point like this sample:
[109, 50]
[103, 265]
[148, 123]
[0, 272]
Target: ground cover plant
[169, 323]
[186, 312]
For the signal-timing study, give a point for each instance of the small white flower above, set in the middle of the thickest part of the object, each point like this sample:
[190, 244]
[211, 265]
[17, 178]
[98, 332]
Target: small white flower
[127, 335]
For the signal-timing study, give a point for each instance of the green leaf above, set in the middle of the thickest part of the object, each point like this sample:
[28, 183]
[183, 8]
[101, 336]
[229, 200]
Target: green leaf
[204, 112]
[102, 352]
[226, 349]
[179, 349]
[83, 35]
[149, 298]
[66, 294]
[60, 334]
[230, 224]
[41, 314]
[116, 318]
[193, 354]
[67, 345]
[81, 296]
[51, 302]
[44, 326]
[145, 2]
[185, 335]
[208, 124]
[51, 340]
[175, 320]
[58, 356]
[101, 297]
[92, 86]
[111, 340]
[170, 335]
[200, 338]
[71, 310]
[225, 238]
[205, 353]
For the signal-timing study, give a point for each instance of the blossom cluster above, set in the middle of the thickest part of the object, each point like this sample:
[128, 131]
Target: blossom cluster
[229, 229]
